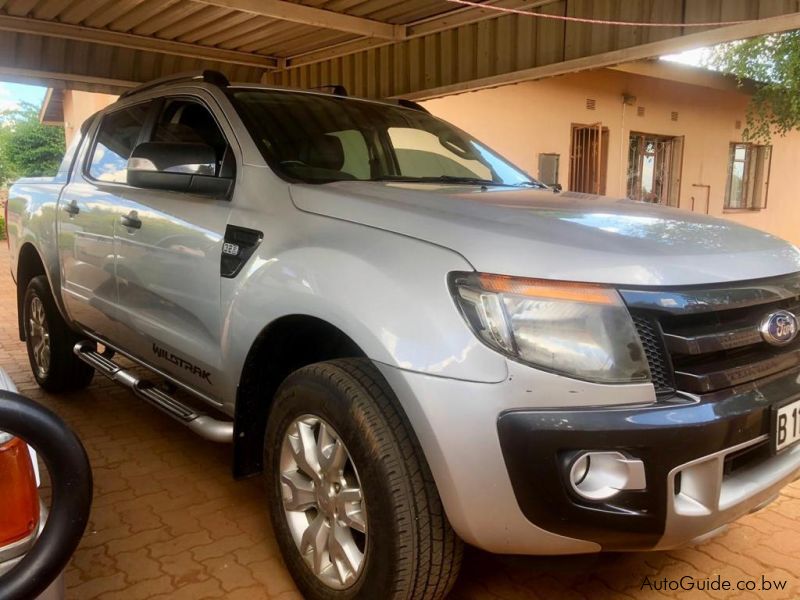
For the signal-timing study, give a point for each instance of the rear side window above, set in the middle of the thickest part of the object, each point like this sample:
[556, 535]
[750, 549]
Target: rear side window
[115, 142]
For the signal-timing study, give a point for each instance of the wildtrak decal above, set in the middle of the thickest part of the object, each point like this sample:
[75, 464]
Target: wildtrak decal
[178, 361]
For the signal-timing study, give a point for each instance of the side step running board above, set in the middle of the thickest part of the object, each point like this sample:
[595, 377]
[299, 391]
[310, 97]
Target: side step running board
[212, 429]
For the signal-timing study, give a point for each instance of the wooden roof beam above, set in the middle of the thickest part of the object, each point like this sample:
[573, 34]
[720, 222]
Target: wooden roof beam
[314, 17]
[135, 42]
[54, 79]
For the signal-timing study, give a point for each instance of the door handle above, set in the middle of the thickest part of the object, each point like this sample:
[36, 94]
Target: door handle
[72, 208]
[131, 220]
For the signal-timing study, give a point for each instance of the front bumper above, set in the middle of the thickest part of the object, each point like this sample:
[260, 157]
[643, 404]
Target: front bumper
[707, 462]
[499, 453]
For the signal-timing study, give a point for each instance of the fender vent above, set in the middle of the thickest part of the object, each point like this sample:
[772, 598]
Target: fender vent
[238, 247]
[591, 104]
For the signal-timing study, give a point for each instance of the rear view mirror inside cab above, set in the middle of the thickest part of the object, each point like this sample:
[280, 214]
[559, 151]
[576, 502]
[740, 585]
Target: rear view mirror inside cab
[457, 146]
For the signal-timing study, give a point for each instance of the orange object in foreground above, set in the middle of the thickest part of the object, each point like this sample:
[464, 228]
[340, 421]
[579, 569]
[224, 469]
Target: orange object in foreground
[19, 498]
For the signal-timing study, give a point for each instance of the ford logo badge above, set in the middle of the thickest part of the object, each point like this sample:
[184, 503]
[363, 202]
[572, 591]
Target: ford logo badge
[779, 328]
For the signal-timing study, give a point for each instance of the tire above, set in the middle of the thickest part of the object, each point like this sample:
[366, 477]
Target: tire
[56, 368]
[409, 549]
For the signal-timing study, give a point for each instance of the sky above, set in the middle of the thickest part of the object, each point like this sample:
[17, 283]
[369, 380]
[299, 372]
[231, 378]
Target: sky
[13, 94]
[689, 57]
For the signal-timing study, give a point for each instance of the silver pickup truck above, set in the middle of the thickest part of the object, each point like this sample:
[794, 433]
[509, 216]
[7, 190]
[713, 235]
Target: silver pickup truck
[415, 342]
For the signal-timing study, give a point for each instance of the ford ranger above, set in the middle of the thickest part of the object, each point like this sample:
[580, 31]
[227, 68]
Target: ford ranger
[417, 344]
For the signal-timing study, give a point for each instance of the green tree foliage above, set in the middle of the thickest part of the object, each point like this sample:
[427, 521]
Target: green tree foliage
[773, 61]
[28, 148]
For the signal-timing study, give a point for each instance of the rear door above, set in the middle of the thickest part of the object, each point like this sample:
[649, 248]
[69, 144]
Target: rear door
[86, 219]
[168, 268]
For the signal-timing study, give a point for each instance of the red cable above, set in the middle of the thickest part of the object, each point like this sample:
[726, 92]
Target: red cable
[591, 21]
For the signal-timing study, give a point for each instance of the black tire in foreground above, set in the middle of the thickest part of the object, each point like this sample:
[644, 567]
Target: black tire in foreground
[71, 485]
[353, 503]
[50, 342]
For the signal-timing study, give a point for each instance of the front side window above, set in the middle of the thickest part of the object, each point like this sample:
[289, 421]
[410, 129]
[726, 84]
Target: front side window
[186, 121]
[116, 139]
[748, 176]
[319, 139]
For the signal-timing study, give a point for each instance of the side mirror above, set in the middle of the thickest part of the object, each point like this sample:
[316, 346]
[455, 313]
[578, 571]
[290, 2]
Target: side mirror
[178, 167]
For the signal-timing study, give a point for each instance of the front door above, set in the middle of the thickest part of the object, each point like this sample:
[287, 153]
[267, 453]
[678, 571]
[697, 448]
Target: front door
[168, 262]
[588, 159]
[86, 220]
[654, 168]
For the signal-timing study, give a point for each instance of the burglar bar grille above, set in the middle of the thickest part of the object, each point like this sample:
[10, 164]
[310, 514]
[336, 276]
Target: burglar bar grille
[588, 158]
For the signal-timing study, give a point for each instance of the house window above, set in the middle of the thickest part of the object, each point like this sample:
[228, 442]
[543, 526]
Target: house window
[654, 168]
[748, 177]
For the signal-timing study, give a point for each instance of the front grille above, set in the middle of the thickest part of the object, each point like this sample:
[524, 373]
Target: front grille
[652, 341]
[706, 339]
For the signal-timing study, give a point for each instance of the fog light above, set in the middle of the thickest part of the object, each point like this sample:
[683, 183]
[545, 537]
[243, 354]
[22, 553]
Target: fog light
[601, 475]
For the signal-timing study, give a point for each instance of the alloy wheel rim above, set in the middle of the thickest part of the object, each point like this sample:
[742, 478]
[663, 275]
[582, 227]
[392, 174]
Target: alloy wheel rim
[39, 336]
[323, 501]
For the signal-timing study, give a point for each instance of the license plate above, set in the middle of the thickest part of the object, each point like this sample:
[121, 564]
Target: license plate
[786, 426]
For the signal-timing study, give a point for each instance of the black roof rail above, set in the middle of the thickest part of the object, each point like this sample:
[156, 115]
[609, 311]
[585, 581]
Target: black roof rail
[209, 76]
[336, 89]
[412, 105]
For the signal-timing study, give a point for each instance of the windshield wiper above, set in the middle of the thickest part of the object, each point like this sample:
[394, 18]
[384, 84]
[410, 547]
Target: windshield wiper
[452, 179]
[536, 184]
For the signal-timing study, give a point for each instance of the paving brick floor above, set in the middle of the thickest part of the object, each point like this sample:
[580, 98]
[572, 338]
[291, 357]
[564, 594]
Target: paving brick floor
[169, 522]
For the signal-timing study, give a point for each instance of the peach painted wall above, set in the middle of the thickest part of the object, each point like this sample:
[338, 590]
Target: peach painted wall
[79, 106]
[523, 120]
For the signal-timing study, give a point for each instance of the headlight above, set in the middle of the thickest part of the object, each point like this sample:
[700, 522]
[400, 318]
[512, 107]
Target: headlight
[579, 330]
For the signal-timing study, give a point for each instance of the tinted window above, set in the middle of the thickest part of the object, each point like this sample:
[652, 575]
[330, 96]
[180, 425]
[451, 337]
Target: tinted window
[421, 153]
[189, 122]
[356, 153]
[320, 138]
[116, 139]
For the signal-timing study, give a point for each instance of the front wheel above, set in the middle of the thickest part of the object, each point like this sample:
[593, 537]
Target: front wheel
[50, 341]
[353, 503]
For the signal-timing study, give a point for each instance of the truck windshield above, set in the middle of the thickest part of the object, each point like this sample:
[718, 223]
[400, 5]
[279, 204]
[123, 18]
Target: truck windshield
[319, 139]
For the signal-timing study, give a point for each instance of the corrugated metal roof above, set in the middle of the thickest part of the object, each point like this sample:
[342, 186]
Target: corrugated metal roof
[374, 47]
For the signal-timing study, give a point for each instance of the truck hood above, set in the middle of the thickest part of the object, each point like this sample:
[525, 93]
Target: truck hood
[568, 236]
